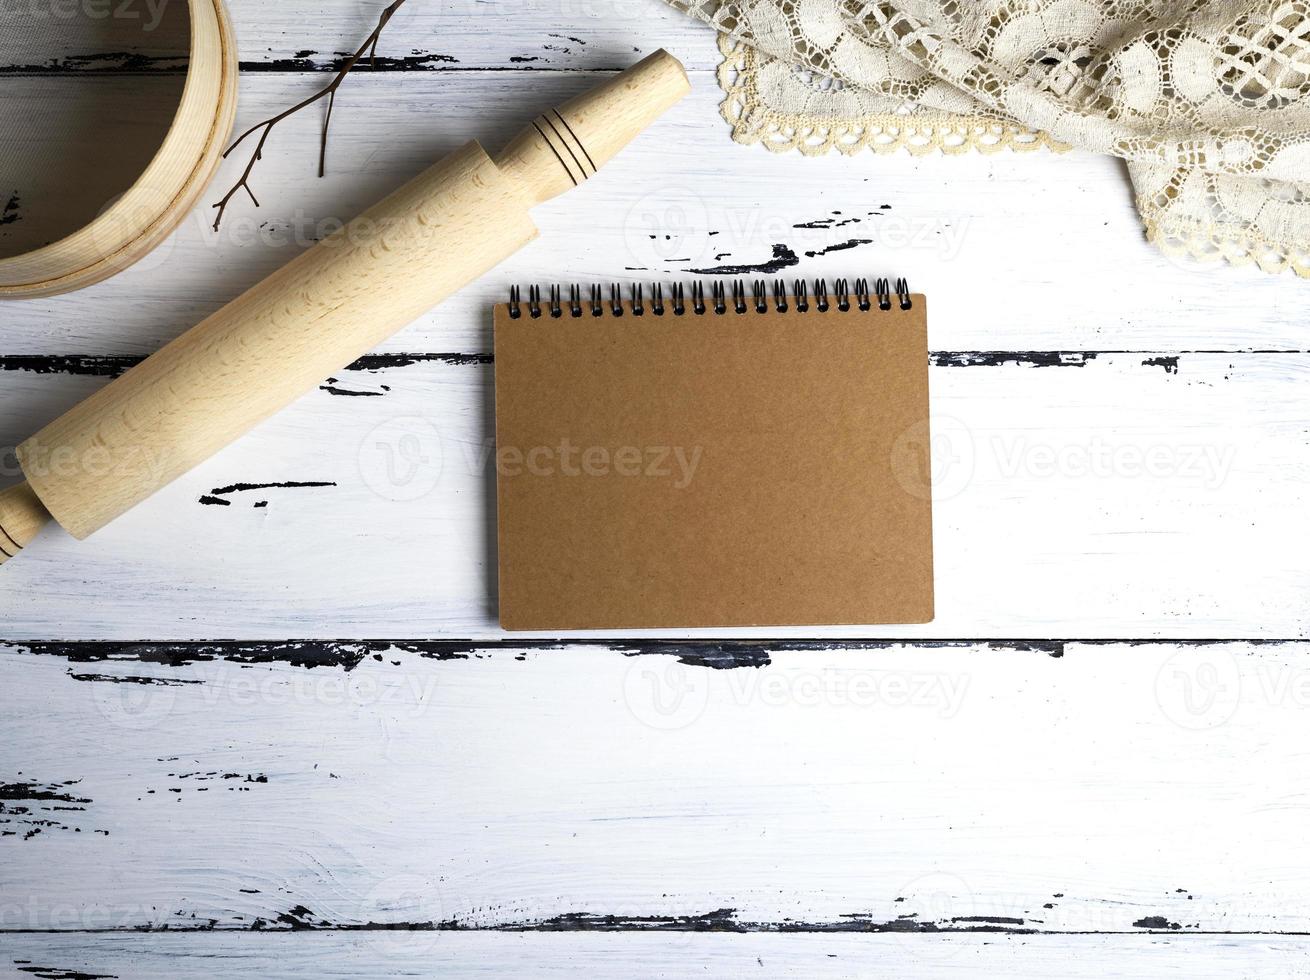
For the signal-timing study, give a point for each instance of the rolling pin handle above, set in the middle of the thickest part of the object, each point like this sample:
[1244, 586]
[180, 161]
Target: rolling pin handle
[21, 516]
[328, 306]
[563, 147]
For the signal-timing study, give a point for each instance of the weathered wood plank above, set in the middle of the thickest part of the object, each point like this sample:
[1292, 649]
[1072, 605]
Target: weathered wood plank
[863, 787]
[82, 36]
[384, 955]
[1114, 496]
[1018, 252]
[958, 794]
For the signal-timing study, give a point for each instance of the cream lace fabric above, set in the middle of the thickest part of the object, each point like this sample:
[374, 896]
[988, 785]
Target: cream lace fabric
[1207, 100]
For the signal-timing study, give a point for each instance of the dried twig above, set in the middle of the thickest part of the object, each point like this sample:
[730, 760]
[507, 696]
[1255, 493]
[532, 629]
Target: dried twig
[370, 46]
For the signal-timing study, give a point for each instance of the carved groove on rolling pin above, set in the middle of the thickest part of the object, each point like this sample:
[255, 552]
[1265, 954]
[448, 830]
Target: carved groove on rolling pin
[553, 149]
[8, 543]
[574, 136]
[576, 162]
[10, 539]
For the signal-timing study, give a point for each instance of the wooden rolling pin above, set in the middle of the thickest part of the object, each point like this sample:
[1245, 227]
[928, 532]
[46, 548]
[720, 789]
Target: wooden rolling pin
[309, 320]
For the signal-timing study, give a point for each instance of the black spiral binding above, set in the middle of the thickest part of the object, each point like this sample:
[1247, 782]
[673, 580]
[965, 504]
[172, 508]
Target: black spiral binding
[734, 298]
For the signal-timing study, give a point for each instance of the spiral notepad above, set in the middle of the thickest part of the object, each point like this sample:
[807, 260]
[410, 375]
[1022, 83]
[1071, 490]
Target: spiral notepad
[731, 456]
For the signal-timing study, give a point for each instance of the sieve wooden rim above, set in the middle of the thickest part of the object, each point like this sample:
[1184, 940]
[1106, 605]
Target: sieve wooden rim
[168, 189]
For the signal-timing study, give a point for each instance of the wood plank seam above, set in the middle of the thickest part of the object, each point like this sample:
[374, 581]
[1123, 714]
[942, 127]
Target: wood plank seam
[112, 365]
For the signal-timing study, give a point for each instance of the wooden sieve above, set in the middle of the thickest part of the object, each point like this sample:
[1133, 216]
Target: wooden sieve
[152, 203]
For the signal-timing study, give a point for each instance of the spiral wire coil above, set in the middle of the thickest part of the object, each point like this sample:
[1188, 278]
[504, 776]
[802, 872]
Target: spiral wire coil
[724, 298]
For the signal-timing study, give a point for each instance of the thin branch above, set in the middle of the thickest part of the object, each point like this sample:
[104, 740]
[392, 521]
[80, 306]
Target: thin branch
[322, 146]
[370, 46]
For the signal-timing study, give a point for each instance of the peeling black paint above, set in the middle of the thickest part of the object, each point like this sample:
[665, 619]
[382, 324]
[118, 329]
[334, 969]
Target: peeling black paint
[783, 258]
[381, 362]
[1170, 364]
[720, 656]
[723, 920]
[825, 223]
[720, 920]
[112, 366]
[54, 973]
[419, 61]
[243, 487]
[710, 654]
[218, 496]
[1032, 358]
[123, 679]
[133, 63]
[107, 62]
[724, 655]
[73, 364]
[23, 803]
[213, 774]
[334, 390]
[301, 919]
[307, 654]
[40, 792]
[840, 247]
[348, 654]
[1156, 922]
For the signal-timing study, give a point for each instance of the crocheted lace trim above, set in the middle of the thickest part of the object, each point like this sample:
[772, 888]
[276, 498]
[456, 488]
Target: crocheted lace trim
[928, 132]
[1213, 243]
[815, 134]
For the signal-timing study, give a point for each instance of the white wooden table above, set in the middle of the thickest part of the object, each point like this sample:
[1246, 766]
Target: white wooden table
[266, 718]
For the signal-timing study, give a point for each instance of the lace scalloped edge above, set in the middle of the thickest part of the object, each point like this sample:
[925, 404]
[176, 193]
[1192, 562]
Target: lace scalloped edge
[939, 132]
[814, 135]
[1210, 244]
